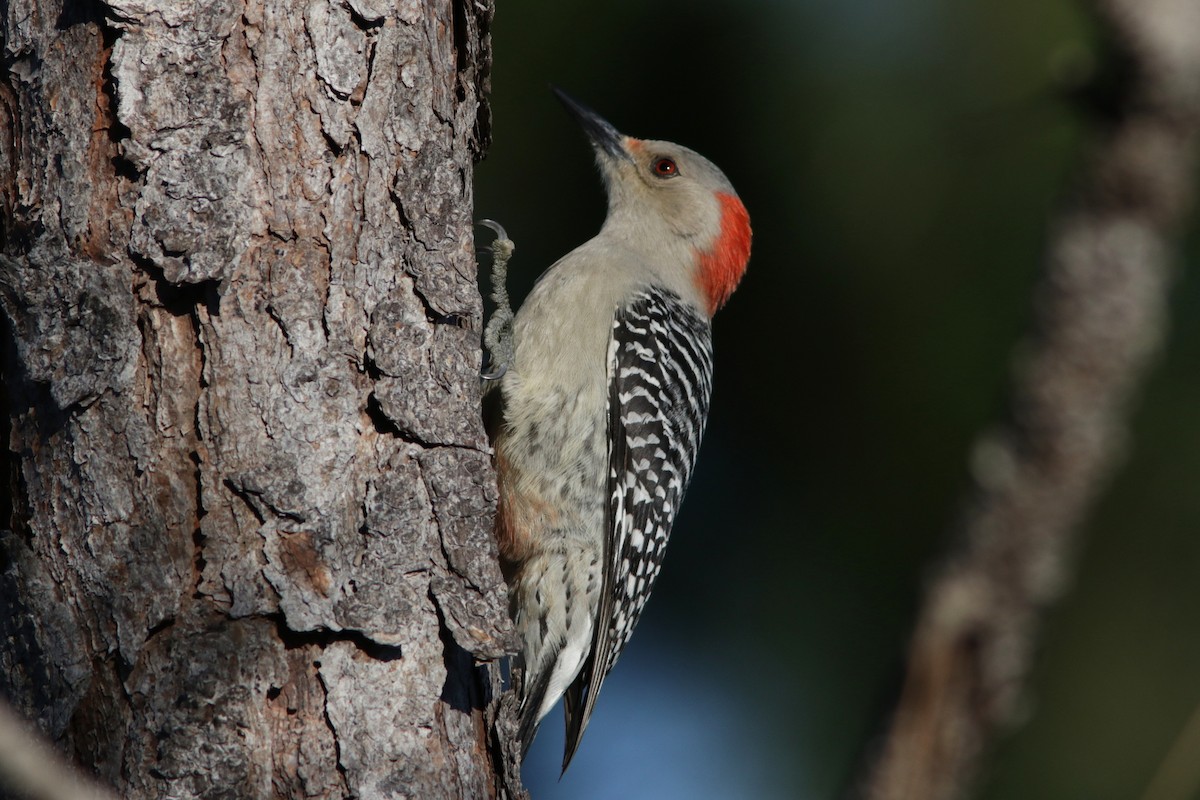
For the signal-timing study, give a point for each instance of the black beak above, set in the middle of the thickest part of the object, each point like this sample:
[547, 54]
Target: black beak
[604, 137]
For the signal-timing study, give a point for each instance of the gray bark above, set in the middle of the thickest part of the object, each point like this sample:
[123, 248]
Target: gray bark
[250, 549]
[1099, 313]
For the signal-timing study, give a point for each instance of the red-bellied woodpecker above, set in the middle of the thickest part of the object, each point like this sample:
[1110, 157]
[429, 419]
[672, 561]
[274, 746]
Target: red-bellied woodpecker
[604, 403]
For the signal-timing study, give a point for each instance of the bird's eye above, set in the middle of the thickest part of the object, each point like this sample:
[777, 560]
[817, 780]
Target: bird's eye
[665, 168]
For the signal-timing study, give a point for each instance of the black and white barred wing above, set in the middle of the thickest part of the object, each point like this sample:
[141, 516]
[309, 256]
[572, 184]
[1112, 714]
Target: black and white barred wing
[660, 381]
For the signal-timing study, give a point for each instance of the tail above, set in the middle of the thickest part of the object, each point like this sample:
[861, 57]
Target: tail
[579, 700]
[576, 709]
[556, 640]
[532, 697]
[577, 714]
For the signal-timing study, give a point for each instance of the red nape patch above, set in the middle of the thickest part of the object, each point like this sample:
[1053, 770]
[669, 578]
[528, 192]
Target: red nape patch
[723, 266]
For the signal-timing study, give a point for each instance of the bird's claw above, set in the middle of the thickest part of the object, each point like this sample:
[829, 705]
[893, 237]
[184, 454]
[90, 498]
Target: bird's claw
[494, 376]
[495, 227]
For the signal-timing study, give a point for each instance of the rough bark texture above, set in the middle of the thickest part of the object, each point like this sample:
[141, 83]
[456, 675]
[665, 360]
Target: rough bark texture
[1100, 312]
[250, 550]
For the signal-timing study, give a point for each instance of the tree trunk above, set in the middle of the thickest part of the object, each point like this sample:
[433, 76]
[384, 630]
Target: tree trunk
[250, 550]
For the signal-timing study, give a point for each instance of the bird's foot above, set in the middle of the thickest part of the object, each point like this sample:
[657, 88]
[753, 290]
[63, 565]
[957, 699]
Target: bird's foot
[498, 333]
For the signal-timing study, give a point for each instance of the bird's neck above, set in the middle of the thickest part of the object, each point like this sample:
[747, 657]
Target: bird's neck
[723, 264]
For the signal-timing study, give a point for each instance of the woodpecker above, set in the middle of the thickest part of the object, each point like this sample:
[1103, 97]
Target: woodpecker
[603, 407]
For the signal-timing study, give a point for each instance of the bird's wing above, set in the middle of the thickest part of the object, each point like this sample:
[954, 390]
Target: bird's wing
[660, 380]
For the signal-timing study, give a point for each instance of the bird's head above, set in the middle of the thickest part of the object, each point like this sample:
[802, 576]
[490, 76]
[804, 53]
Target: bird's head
[672, 205]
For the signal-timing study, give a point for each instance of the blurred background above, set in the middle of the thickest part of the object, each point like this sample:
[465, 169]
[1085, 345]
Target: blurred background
[899, 160]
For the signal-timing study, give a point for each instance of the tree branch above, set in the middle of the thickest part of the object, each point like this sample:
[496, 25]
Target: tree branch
[31, 768]
[1099, 315]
